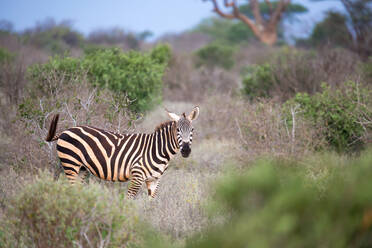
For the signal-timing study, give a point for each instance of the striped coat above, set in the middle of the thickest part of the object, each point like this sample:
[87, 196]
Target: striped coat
[141, 158]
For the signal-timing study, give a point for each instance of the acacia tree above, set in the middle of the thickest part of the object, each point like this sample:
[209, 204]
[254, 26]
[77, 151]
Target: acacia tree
[264, 28]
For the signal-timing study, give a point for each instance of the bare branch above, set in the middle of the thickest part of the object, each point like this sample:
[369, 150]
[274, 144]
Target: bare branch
[276, 16]
[268, 3]
[219, 12]
[256, 11]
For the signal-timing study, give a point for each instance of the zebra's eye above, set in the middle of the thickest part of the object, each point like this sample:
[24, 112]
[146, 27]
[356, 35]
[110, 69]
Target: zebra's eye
[192, 129]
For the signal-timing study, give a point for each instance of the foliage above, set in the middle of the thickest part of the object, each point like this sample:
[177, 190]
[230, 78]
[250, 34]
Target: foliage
[139, 76]
[290, 71]
[257, 81]
[162, 54]
[216, 55]
[55, 37]
[226, 31]
[343, 113]
[5, 56]
[48, 213]
[276, 204]
[332, 30]
[367, 70]
[114, 36]
[66, 69]
[291, 9]
[11, 75]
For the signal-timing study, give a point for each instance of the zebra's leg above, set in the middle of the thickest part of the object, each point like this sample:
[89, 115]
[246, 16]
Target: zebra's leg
[83, 174]
[72, 175]
[136, 181]
[152, 187]
[72, 170]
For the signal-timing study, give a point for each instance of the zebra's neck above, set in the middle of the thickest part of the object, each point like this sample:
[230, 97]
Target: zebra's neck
[166, 141]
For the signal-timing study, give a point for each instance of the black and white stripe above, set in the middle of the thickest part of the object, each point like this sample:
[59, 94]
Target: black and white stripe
[114, 157]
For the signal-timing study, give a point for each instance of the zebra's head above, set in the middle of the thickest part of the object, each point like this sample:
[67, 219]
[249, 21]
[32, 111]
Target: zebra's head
[184, 130]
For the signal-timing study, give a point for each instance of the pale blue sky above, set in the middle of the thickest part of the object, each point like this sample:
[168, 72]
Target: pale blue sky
[158, 16]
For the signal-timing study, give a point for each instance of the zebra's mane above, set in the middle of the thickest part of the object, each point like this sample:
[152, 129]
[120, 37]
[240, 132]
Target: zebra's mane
[162, 125]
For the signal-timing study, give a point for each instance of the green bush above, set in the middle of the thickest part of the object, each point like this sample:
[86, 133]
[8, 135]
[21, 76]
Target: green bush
[332, 30]
[5, 56]
[367, 70]
[344, 114]
[257, 81]
[286, 73]
[276, 204]
[47, 78]
[226, 31]
[216, 55]
[290, 71]
[139, 76]
[57, 38]
[161, 54]
[48, 213]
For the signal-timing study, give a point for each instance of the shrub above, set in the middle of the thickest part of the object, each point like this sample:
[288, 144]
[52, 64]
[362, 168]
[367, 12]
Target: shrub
[161, 54]
[11, 75]
[291, 71]
[136, 75]
[46, 78]
[332, 30]
[275, 204]
[258, 81]
[5, 55]
[344, 114]
[367, 70]
[216, 55]
[55, 37]
[48, 213]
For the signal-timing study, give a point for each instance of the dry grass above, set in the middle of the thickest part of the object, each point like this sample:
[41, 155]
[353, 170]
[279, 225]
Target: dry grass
[184, 82]
[260, 127]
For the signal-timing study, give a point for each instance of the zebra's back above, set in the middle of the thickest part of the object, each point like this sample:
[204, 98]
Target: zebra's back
[107, 155]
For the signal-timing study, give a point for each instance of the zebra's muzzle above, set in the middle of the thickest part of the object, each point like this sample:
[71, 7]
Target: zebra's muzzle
[185, 150]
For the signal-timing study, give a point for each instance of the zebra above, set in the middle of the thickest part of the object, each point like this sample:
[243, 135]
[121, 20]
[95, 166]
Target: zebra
[139, 157]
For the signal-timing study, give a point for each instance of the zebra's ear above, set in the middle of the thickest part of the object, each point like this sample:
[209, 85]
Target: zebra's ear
[173, 116]
[194, 114]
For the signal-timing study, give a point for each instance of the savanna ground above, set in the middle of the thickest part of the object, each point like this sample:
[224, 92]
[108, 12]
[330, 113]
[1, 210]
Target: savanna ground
[280, 154]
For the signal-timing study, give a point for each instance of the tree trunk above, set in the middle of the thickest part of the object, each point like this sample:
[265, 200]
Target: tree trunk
[268, 37]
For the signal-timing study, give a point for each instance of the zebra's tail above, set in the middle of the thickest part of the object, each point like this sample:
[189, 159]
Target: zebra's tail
[52, 129]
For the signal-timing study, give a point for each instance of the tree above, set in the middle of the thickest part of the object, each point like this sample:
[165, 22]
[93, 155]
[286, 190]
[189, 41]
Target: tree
[360, 13]
[263, 26]
[359, 20]
[332, 30]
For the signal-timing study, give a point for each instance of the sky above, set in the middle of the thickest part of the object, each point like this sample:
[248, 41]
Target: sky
[158, 16]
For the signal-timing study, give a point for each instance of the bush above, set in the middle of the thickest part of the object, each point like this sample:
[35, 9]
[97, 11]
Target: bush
[5, 56]
[291, 71]
[216, 55]
[332, 30]
[258, 81]
[55, 37]
[276, 204]
[367, 70]
[48, 213]
[11, 76]
[65, 70]
[138, 76]
[344, 114]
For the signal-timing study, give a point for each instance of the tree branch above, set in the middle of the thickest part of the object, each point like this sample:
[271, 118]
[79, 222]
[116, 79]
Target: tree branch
[219, 12]
[270, 6]
[236, 14]
[280, 8]
[256, 11]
